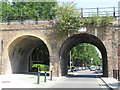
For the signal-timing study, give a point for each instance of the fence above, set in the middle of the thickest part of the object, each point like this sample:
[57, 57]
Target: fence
[88, 12]
[85, 12]
[116, 74]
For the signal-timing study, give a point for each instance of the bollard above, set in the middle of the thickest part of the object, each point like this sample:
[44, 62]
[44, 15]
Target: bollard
[118, 75]
[51, 75]
[113, 73]
[45, 76]
[38, 77]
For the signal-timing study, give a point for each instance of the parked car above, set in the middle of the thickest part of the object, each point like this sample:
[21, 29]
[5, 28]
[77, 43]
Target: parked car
[79, 68]
[83, 68]
[93, 68]
[74, 69]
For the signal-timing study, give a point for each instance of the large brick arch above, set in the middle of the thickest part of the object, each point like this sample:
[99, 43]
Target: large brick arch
[20, 50]
[78, 39]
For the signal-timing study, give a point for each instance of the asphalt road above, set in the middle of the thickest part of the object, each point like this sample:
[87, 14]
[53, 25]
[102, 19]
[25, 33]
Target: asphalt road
[81, 79]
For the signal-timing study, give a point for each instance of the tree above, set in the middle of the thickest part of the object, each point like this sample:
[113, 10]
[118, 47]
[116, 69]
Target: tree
[83, 54]
[41, 54]
[28, 10]
[68, 17]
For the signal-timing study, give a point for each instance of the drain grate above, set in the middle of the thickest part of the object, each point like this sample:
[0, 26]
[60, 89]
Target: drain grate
[5, 81]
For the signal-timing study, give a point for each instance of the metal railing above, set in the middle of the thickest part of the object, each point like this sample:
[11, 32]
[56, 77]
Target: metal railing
[116, 74]
[85, 12]
[111, 11]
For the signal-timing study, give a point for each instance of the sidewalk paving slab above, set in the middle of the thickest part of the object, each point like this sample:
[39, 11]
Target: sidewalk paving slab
[25, 81]
[111, 83]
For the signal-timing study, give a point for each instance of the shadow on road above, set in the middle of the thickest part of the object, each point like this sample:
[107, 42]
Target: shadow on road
[82, 76]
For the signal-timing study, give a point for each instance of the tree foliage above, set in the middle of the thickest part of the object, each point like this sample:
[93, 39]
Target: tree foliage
[41, 54]
[84, 53]
[68, 17]
[28, 10]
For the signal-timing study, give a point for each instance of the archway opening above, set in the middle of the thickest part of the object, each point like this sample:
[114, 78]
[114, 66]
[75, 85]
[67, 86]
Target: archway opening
[23, 52]
[80, 39]
[84, 57]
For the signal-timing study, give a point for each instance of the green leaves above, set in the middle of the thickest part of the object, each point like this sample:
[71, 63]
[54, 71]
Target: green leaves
[98, 21]
[41, 53]
[42, 67]
[84, 52]
[67, 17]
[27, 9]
[105, 21]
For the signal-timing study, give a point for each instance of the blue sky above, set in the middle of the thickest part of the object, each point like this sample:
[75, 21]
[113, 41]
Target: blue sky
[93, 3]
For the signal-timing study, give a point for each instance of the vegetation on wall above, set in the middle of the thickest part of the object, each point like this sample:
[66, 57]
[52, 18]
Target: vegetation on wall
[98, 21]
[68, 17]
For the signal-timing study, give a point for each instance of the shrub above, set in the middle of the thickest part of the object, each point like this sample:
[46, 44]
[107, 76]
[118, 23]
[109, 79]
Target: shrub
[42, 67]
[105, 21]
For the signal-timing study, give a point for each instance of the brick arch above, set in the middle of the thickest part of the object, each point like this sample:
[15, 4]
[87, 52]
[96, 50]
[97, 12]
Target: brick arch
[19, 51]
[78, 39]
[20, 35]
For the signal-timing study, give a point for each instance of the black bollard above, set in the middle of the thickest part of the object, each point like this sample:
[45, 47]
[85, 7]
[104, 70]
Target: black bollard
[38, 78]
[118, 75]
[51, 75]
[45, 76]
[113, 73]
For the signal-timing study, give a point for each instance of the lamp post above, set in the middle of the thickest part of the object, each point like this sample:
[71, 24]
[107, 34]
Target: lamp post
[82, 29]
[70, 51]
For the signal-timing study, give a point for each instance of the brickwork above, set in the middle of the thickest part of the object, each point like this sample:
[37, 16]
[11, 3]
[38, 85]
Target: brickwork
[19, 40]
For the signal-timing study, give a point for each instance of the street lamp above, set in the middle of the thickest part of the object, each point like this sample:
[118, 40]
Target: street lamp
[82, 29]
[70, 51]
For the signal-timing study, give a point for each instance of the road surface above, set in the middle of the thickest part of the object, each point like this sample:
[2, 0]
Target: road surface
[81, 79]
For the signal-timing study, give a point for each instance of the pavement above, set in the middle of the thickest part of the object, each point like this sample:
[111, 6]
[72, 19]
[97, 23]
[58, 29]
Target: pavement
[112, 83]
[25, 81]
[30, 81]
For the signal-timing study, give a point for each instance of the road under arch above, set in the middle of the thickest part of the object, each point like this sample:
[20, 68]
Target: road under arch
[78, 39]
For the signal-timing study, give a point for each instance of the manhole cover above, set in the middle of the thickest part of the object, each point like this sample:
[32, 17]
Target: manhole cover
[5, 81]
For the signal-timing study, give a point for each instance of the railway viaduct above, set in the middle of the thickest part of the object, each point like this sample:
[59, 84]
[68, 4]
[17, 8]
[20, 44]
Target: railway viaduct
[18, 40]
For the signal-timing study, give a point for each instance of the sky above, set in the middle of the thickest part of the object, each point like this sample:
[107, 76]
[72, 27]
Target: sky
[87, 3]
[93, 3]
